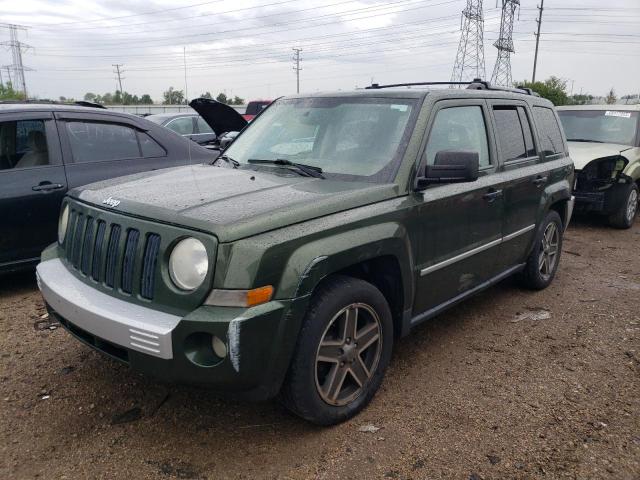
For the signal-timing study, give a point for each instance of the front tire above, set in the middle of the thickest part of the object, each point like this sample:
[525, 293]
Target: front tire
[343, 350]
[626, 214]
[542, 262]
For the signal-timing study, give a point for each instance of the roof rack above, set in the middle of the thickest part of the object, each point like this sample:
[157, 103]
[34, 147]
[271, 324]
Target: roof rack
[475, 84]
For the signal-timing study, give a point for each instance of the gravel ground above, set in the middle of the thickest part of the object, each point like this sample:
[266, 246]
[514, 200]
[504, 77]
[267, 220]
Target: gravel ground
[511, 384]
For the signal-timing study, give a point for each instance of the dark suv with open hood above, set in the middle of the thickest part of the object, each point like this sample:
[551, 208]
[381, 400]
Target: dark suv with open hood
[334, 224]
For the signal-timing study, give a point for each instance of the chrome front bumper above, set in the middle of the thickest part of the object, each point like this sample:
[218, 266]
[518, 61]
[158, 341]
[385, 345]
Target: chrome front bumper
[117, 321]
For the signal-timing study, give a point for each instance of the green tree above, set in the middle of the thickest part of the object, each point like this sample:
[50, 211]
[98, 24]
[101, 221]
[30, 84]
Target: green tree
[580, 99]
[611, 97]
[146, 99]
[8, 93]
[207, 95]
[90, 97]
[107, 98]
[173, 97]
[553, 89]
[237, 101]
[222, 98]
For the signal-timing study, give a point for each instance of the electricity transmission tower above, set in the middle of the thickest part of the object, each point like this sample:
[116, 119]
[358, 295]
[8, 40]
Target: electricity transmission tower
[17, 47]
[119, 73]
[502, 69]
[469, 62]
[296, 67]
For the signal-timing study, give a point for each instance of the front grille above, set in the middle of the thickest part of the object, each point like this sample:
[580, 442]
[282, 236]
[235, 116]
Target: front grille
[100, 250]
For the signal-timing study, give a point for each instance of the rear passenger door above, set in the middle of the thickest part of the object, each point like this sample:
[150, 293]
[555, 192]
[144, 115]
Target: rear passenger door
[460, 225]
[524, 176]
[99, 147]
[32, 184]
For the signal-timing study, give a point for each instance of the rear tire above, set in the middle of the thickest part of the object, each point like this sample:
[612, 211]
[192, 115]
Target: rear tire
[343, 350]
[626, 214]
[542, 262]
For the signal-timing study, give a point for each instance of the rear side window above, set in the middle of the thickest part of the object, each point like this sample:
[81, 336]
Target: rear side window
[203, 127]
[182, 125]
[459, 128]
[514, 133]
[95, 141]
[550, 135]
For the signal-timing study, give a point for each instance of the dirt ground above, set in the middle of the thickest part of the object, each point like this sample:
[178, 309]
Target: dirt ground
[489, 390]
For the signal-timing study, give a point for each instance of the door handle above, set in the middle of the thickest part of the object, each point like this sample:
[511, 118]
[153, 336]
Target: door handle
[47, 187]
[492, 195]
[540, 180]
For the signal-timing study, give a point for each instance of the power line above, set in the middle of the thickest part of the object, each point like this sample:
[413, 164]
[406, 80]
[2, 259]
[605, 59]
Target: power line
[535, 56]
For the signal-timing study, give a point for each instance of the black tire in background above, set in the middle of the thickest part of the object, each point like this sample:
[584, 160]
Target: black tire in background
[542, 262]
[326, 349]
[626, 215]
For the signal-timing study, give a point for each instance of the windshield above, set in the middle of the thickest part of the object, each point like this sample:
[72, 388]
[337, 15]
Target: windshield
[607, 126]
[348, 138]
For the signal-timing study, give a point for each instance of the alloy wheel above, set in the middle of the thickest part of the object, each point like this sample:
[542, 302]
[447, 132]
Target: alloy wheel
[348, 354]
[632, 206]
[548, 250]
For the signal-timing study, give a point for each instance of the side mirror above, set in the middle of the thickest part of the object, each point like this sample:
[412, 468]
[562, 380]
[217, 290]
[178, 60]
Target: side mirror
[450, 166]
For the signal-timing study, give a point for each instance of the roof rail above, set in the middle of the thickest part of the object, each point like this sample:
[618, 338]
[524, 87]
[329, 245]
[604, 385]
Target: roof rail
[475, 84]
[79, 103]
[83, 103]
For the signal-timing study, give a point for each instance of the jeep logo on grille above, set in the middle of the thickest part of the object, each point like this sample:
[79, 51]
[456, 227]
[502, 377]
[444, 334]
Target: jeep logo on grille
[111, 202]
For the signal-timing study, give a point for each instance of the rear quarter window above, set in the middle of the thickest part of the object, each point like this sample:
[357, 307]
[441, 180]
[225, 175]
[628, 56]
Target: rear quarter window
[551, 142]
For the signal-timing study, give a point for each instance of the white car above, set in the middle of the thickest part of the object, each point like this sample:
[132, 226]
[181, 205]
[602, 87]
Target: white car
[604, 143]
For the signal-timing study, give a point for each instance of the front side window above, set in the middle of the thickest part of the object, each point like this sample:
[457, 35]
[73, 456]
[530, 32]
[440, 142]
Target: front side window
[600, 126]
[550, 134]
[97, 141]
[23, 144]
[348, 138]
[459, 128]
[182, 125]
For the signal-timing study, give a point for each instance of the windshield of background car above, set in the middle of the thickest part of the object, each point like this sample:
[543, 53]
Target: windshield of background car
[348, 138]
[608, 126]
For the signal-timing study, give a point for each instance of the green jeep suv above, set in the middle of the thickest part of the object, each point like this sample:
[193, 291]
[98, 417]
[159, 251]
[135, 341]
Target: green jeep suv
[331, 226]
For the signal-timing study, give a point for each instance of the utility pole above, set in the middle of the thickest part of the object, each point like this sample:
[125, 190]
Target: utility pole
[502, 69]
[119, 73]
[535, 57]
[186, 91]
[469, 63]
[296, 67]
[17, 47]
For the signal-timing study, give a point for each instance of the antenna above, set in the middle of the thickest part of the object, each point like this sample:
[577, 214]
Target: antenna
[469, 62]
[502, 69]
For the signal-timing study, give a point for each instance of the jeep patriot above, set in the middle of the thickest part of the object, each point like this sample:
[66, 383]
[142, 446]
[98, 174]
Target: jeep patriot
[331, 226]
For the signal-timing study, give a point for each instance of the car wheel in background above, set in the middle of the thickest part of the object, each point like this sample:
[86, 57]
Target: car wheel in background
[343, 350]
[625, 216]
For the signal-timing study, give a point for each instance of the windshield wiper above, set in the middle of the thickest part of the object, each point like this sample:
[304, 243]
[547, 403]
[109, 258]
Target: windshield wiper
[227, 159]
[306, 170]
[583, 140]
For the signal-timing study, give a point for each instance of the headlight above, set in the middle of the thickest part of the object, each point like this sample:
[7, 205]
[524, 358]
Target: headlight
[188, 264]
[62, 224]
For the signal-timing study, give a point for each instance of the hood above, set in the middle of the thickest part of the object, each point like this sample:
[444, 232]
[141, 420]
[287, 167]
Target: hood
[230, 203]
[220, 117]
[584, 152]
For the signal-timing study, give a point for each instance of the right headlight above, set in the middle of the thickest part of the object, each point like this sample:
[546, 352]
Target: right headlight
[63, 222]
[188, 264]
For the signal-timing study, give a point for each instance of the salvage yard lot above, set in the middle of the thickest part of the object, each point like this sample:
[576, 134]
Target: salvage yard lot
[511, 384]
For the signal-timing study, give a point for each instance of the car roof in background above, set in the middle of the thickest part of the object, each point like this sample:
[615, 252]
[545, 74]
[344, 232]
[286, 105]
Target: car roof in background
[167, 116]
[616, 108]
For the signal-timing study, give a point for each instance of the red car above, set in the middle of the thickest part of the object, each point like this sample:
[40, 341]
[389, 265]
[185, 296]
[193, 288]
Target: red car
[254, 107]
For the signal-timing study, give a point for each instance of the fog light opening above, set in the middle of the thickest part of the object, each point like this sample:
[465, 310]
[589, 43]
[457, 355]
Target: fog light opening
[219, 347]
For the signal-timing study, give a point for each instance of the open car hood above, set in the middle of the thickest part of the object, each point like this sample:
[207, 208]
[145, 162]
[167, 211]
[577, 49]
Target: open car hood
[220, 117]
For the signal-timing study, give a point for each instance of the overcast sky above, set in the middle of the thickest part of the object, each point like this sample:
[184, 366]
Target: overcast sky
[244, 47]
